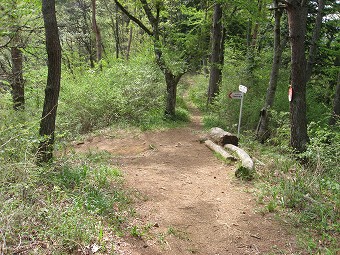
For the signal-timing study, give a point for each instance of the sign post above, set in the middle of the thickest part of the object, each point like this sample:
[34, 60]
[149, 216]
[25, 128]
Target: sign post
[243, 90]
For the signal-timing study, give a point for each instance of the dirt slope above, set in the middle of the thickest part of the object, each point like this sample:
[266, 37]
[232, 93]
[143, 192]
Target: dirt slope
[194, 204]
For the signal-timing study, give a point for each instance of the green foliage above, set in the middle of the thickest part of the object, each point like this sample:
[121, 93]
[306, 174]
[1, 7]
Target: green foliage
[18, 133]
[279, 128]
[307, 194]
[244, 173]
[130, 92]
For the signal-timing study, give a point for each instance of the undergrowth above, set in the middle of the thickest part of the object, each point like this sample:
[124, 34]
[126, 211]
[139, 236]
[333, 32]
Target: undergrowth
[303, 189]
[62, 208]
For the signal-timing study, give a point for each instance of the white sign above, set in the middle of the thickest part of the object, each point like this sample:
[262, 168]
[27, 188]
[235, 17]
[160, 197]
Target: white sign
[235, 95]
[242, 88]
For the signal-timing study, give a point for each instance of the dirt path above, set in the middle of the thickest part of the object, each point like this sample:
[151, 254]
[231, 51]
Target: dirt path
[194, 204]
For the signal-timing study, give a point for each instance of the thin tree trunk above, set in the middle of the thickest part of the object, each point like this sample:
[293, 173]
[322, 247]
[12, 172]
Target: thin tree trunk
[129, 43]
[117, 34]
[297, 19]
[96, 31]
[85, 29]
[53, 49]
[216, 48]
[315, 39]
[262, 129]
[336, 107]
[17, 81]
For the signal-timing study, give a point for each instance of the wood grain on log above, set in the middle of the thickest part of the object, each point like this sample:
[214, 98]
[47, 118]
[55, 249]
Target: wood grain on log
[219, 149]
[247, 169]
[221, 137]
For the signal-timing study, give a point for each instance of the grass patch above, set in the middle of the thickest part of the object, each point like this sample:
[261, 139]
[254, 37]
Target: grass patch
[305, 195]
[61, 208]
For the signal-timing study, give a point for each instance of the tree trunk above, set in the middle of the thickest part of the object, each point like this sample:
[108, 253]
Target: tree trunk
[53, 49]
[171, 91]
[129, 43]
[17, 81]
[216, 48]
[96, 31]
[336, 107]
[315, 39]
[297, 19]
[262, 130]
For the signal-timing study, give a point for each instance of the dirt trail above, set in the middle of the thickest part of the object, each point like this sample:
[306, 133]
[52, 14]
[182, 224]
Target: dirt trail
[193, 202]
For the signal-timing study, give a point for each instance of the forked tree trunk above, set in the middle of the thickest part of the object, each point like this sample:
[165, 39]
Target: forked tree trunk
[170, 78]
[262, 129]
[297, 19]
[17, 81]
[53, 49]
[216, 48]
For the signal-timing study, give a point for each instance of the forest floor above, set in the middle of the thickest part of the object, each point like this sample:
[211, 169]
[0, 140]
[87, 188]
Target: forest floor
[193, 203]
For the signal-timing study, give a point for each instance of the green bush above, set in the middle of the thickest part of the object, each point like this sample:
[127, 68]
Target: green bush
[309, 189]
[92, 99]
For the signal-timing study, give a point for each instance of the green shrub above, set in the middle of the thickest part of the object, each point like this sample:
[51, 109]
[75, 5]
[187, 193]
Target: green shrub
[124, 91]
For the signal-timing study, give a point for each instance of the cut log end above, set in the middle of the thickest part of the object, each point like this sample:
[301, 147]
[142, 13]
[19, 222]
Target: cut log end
[221, 137]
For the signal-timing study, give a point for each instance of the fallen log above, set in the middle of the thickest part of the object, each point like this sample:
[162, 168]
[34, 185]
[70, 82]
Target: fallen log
[221, 137]
[219, 149]
[247, 169]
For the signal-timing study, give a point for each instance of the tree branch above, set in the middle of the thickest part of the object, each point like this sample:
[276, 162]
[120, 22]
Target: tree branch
[148, 12]
[134, 19]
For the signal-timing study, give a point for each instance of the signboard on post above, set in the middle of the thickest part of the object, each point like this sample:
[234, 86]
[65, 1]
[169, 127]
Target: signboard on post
[235, 95]
[243, 89]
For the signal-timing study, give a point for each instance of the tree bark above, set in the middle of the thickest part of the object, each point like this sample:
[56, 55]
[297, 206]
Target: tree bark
[297, 19]
[262, 130]
[17, 81]
[171, 89]
[129, 43]
[219, 149]
[53, 49]
[216, 48]
[96, 31]
[315, 39]
[336, 107]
